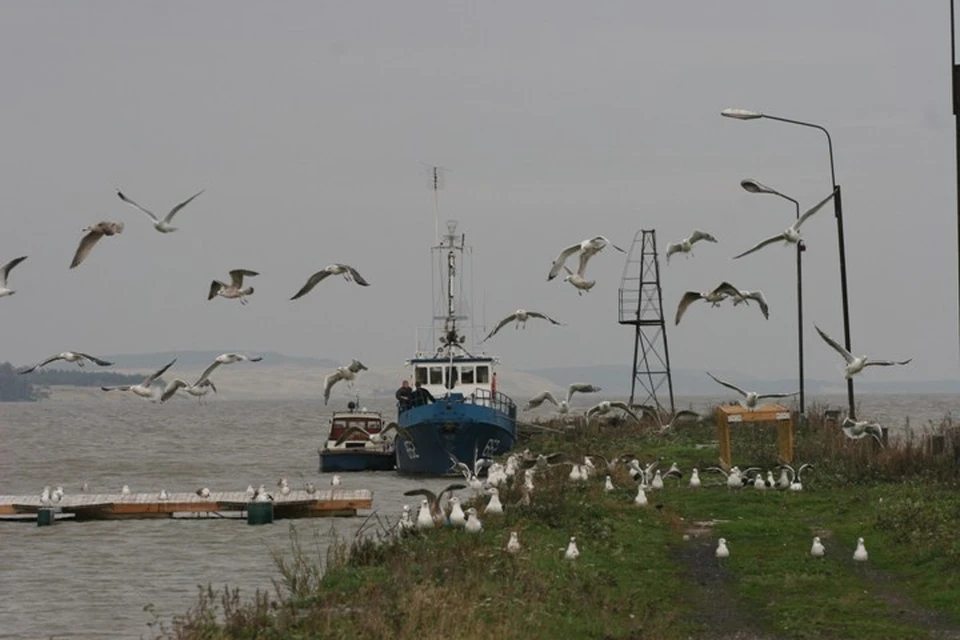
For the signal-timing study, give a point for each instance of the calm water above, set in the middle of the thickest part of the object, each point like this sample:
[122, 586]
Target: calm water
[92, 579]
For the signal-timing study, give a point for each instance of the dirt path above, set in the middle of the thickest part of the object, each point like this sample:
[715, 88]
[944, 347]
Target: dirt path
[883, 587]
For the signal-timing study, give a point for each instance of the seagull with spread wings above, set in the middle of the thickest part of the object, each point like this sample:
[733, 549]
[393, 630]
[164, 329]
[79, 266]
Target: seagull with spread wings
[5, 272]
[434, 499]
[686, 245]
[163, 226]
[680, 417]
[375, 438]
[145, 388]
[348, 373]
[791, 235]
[235, 288]
[349, 274]
[520, 316]
[742, 296]
[856, 429]
[856, 364]
[587, 249]
[607, 406]
[563, 406]
[224, 358]
[720, 293]
[750, 398]
[94, 233]
[69, 356]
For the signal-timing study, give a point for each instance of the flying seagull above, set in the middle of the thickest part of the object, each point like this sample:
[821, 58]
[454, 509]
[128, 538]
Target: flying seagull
[163, 226]
[348, 373]
[520, 316]
[235, 288]
[348, 272]
[94, 233]
[682, 416]
[743, 296]
[563, 406]
[224, 358]
[750, 398]
[791, 235]
[607, 406]
[587, 249]
[686, 245]
[69, 356]
[145, 388]
[578, 280]
[4, 272]
[856, 364]
[856, 429]
[197, 390]
[720, 293]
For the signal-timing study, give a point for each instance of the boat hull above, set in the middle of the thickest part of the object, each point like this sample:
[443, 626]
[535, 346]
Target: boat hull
[447, 427]
[333, 461]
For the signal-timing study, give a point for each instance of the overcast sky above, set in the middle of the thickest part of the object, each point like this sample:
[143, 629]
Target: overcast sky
[309, 124]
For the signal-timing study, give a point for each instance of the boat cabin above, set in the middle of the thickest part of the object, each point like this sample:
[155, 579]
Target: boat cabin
[468, 376]
[368, 421]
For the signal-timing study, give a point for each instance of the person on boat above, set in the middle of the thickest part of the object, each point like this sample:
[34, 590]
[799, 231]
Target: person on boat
[405, 396]
[421, 395]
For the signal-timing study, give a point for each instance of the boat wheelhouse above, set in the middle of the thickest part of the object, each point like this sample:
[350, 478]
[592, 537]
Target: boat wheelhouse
[356, 442]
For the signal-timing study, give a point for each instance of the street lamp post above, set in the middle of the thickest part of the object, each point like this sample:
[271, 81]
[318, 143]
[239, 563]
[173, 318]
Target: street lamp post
[743, 114]
[753, 186]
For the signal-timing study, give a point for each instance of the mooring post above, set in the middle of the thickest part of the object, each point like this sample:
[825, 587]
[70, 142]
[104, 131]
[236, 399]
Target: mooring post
[46, 517]
[260, 513]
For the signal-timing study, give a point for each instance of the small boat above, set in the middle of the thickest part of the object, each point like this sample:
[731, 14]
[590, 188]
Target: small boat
[363, 448]
[469, 419]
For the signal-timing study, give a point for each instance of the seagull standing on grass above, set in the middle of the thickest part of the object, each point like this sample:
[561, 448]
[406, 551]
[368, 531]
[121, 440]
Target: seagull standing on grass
[69, 356]
[817, 550]
[791, 235]
[145, 388]
[513, 545]
[520, 316]
[94, 233]
[722, 551]
[641, 498]
[750, 398]
[348, 373]
[860, 555]
[686, 245]
[5, 272]
[695, 479]
[349, 274]
[856, 364]
[163, 226]
[457, 517]
[572, 552]
[473, 522]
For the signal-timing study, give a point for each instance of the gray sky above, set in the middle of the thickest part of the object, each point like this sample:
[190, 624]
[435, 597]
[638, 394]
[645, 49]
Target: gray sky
[308, 124]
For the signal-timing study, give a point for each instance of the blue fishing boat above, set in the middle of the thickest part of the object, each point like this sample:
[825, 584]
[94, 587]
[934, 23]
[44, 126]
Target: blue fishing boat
[468, 419]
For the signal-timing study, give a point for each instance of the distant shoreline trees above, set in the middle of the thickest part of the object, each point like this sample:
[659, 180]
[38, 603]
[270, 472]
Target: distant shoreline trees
[36, 386]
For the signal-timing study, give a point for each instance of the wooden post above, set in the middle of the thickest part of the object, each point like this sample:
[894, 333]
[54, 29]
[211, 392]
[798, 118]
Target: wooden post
[260, 513]
[46, 517]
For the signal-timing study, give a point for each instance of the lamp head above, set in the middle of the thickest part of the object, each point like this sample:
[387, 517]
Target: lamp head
[751, 185]
[741, 114]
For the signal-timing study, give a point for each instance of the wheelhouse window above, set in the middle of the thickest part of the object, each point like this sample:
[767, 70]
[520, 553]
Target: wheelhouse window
[451, 372]
[466, 375]
[436, 375]
[420, 375]
[483, 374]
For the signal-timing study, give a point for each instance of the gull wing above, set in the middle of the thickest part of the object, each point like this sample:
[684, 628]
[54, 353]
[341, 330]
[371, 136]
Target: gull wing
[7, 268]
[688, 298]
[561, 259]
[328, 383]
[401, 431]
[177, 208]
[728, 289]
[503, 323]
[236, 276]
[206, 372]
[701, 235]
[776, 395]
[37, 366]
[626, 409]
[311, 283]
[537, 314]
[836, 345]
[812, 210]
[349, 432]
[356, 366]
[215, 287]
[728, 385]
[171, 388]
[584, 259]
[426, 493]
[355, 275]
[761, 300]
[134, 204]
[539, 399]
[580, 387]
[125, 387]
[762, 244]
[672, 248]
[886, 363]
[86, 245]
[607, 241]
[159, 373]
[102, 363]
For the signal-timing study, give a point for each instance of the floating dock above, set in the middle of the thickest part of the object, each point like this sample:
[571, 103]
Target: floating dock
[219, 504]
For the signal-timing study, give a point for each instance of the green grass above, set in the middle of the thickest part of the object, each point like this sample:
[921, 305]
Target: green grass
[644, 572]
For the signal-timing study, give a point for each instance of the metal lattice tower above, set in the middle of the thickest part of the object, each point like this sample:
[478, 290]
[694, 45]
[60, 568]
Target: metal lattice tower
[641, 305]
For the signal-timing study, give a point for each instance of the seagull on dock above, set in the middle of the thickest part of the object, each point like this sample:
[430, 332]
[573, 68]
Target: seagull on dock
[856, 364]
[750, 398]
[250, 492]
[856, 429]
[719, 293]
[607, 406]
[164, 496]
[125, 490]
[203, 492]
[791, 235]
[348, 373]
[586, 249]
[520, 317]
[817, 550]
[235, 289]
[224, 358]
[145, 389]
[686, 245]
[261, 495]
[69, 356]
[93, 234]
[349, 274]
[164, 225]
[5, 272]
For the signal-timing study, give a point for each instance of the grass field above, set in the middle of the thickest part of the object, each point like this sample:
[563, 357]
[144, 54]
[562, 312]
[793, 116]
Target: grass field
[645, 572]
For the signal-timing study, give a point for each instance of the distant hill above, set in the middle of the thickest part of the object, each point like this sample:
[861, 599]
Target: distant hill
[193, 359]
[615, 380]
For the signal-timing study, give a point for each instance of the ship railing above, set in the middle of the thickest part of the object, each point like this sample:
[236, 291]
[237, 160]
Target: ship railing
[494, 399]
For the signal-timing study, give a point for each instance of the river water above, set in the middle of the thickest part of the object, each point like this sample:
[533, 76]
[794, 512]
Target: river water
[93, 579]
